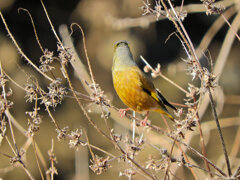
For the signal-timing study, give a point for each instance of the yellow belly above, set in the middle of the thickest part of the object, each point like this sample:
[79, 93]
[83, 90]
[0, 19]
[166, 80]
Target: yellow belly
[128, 86]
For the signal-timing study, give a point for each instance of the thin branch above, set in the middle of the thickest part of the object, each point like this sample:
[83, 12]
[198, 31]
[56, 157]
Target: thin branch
[21, 52]
[220, 132]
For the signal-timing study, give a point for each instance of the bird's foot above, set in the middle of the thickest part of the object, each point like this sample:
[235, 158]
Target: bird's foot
[145, 121]
[122, 112]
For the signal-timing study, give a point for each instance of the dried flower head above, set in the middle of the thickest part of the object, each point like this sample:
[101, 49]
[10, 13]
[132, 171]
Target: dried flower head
[155, 165]
[116, 137]
[75, 141]
[5, 104]
[100, 164]
[31, 92]
[46, 59]
[99, 98]
[3, 128]
[62, 133]
[34, 123]
[55, 95]
[128, 173]
[193, 68]
[209, 80]
[18, 157]
[188, 123]
[3, 80]
[146, 8]
[52, 170]
[212, 8]
[156, 10]
[65, 55]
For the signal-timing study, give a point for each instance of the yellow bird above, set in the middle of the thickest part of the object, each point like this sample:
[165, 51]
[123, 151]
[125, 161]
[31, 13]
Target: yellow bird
[133, 87]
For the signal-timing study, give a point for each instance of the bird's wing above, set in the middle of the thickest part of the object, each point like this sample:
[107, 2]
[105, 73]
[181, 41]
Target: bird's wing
[160, 96]
[149, 88]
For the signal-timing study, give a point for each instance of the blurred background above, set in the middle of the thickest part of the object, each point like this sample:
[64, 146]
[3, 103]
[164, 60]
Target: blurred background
[97, 18]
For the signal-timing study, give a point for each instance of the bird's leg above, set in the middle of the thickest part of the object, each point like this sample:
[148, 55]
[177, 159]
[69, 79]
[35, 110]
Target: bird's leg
[144, 121]
[122, 112]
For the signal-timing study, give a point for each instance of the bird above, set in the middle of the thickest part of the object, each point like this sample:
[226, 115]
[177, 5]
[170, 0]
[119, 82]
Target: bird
[134, 87]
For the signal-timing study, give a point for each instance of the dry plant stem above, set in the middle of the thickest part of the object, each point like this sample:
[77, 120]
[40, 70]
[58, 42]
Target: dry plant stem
[52, 162]
[162, 131]
[145, 21]
[187, 160]
[22, 130]
[160, 74]
[89, 147]
[36, 156]
[221, 60]
[34, 28]
[9, 121]
[85, 52]
[16, 151]
[212, 31]
[21, 52]
[210, 172]
[52, 27]
[218, 68]
[192, 50]
[35, 32]
[233, 30]
[20, 161]
[101, 150]
[188, 147]
[50, 114]
[169, 160]
[164, 77]
[203, 148]
[77, 64]
[236, 173]
[173, 83]
[220, 132]
[82, 107]
[181, 30]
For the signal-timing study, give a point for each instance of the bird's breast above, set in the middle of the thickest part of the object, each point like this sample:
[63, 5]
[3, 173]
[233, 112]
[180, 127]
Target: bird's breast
[128, 86]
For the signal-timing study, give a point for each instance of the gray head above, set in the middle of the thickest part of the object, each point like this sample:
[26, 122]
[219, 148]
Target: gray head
[122, 55]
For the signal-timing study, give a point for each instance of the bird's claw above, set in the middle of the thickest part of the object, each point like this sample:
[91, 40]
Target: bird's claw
[145, 122]
[122, 112]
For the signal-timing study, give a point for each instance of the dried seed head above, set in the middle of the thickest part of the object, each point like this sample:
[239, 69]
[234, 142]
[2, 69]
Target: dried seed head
[55, 95]
[62, 133]
[100, 165]
[46, 59]
[34, 123]
[65, 55]
[212, 8]
[128, 173]
[75, 141]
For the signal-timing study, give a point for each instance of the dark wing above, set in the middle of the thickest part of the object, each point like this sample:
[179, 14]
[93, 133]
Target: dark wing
[162, 98]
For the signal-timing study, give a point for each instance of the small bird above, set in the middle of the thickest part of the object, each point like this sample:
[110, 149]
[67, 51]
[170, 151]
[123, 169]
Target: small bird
[133, 87]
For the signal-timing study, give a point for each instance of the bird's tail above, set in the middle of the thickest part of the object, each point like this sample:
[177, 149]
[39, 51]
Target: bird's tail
[165, 113]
